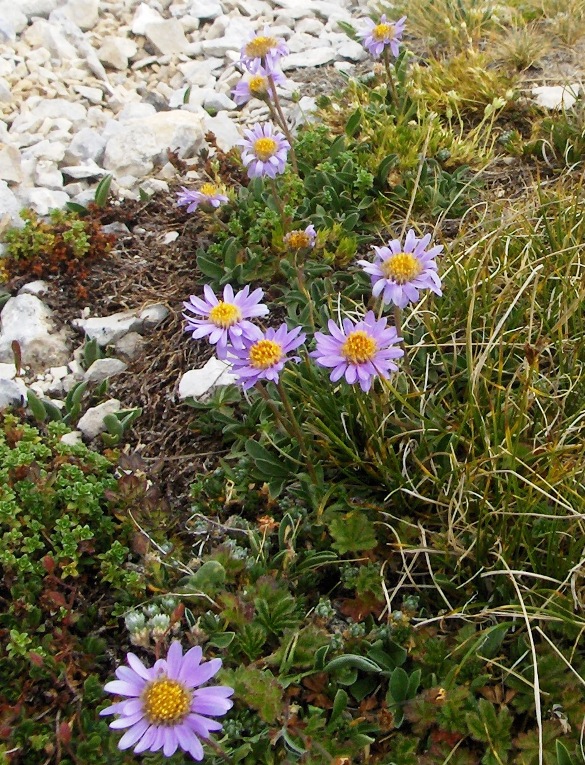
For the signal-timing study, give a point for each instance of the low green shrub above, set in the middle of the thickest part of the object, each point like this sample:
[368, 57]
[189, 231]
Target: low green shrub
[66, 573]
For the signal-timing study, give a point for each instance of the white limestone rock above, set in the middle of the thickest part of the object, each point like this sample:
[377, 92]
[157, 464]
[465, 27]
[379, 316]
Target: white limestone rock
[224, 129]
[12, 393]
[88, 170]
[92, 422]
[74, 438]
[103, 369]
[153, 315]
[94, 95]
[130, 346]
[108, 329]
[300, 42]
[313, 57]
[134, 149]
[200, 72]
[12, 16]
[83, 13]
[38, 7]
[167, 36]
[310, 27]
[87, 145]
[10, 207]
[44, 34]
[198, 382]
[115, 52]
[5, 91]
[57, 108]
[44, 200]
[48, 175]
[10, 164]
[217, 102]
[7, 371]
[556, 96]
[38, 288]
[237, 30]
[27, 320]
[143, 16]
[205, 9]
[352, 50]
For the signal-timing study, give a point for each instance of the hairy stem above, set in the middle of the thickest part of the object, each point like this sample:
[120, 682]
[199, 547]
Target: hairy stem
[283, 123]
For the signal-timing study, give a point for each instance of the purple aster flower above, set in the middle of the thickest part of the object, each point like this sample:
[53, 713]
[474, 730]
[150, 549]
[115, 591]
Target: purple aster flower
[263, 51]
[164, 707]
[358, 351]
[301, 240]
[257, 85]
[264, 151]
[209, 195]
[226, 319]
[400, 271]
[263, 358]
[375, 37]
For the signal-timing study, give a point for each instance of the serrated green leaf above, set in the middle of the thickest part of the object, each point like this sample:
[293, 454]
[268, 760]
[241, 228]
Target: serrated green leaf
[352, 532]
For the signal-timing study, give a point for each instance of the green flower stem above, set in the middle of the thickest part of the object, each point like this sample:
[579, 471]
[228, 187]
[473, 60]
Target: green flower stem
[283, 123]
[398, 324]
[305, 291]
[278, 202]
[297, 429]
[292, 427]
[277, 416]
[219, 750]
[390, 77]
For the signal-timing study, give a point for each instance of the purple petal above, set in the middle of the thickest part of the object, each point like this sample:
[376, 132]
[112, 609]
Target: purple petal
[174, 659]
[138, 666]
[188, 741]
[191, 661]
[171, 743]
[146, 740]
[133, 734]
[126, 722]
[123, 688]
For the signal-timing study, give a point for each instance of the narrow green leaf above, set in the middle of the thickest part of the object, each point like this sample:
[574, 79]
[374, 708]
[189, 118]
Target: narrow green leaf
[102, 191]
[339, 705]
[36, 406]
[353, 122]
[352, 660]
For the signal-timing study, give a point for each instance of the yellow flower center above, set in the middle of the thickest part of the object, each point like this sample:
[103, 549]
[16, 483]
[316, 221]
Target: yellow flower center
[258, 84]
[264, 148]
[298, 240]
[265, 353]
[209, 189]
[260, 46]
[225, 314]
[166, 702]
[382, 32]
[402, 268]
[359, 347]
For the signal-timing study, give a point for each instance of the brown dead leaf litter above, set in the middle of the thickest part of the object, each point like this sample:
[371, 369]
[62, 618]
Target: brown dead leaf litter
[142, 270]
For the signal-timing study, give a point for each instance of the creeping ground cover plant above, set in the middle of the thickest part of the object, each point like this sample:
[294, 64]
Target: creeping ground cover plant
[380, 557]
